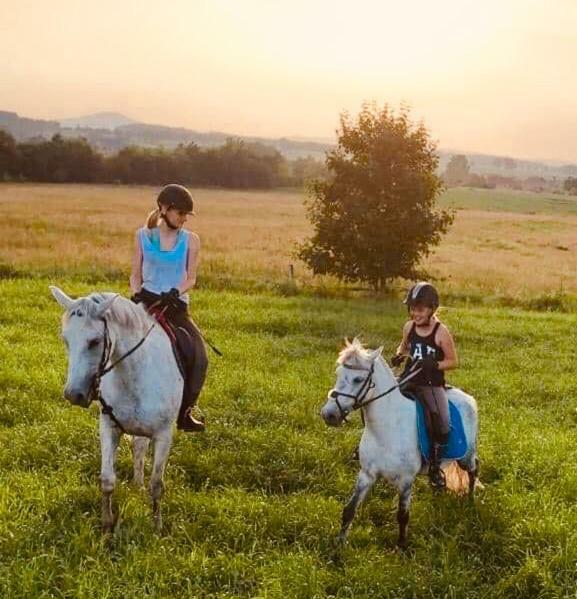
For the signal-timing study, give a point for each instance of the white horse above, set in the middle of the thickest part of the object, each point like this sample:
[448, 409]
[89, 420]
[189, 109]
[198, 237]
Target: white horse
[117, 355]
[389, 445]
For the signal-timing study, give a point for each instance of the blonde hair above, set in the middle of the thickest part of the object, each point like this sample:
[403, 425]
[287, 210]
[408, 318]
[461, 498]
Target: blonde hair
[152, 219]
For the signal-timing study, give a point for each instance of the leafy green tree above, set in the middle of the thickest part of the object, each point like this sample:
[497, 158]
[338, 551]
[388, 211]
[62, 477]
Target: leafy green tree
[375, 217]
[9, 156]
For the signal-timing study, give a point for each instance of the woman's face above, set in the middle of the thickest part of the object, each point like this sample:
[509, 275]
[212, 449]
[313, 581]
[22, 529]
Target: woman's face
[420, 314]
[175, 217]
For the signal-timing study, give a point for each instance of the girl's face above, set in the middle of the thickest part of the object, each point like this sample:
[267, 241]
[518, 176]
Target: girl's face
[421, 314]
[175, 217]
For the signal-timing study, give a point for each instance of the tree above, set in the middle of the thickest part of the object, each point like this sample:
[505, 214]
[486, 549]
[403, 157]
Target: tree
[375, 218]
[457, 171]
[570, 185]
[9, 156]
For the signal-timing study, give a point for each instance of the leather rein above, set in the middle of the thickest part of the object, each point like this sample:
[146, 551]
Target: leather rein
[359, 398]
[103, 370]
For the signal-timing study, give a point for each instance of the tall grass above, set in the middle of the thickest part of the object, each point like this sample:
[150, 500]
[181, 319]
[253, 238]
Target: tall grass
[508, 246]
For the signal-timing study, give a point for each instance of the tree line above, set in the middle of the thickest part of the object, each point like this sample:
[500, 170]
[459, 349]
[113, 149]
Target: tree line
[234, 164]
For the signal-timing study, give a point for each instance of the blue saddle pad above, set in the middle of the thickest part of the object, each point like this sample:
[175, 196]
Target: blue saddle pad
[456, 447]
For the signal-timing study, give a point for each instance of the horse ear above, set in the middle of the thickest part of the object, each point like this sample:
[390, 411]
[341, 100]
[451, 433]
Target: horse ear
[377, 352]
[104, 305]
[59, 295]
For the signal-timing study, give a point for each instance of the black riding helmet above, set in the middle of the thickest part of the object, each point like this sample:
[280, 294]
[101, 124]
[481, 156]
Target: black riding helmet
[175, 196]
[422, 293]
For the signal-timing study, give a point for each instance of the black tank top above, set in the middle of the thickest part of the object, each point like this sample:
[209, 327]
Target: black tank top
[422, 347]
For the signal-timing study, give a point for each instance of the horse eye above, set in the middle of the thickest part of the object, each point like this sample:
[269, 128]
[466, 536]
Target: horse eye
[357, 379]
[93, 343]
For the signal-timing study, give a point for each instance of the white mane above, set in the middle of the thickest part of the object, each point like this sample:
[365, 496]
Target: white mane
[353, 353]
[122, 312]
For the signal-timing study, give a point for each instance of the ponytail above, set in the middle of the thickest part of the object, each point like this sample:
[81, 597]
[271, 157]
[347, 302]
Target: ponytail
[152, 219]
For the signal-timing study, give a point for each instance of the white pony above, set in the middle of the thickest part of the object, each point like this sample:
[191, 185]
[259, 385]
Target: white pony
[140, 390]
[389, 445]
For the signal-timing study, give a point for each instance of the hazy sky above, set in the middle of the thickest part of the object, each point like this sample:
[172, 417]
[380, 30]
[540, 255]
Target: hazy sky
[495, 76]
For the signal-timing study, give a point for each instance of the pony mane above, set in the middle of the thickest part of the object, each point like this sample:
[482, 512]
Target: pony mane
[122, 312]
[354, 352]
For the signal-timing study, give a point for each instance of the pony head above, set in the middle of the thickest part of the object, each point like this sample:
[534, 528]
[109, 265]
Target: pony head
[355, 365]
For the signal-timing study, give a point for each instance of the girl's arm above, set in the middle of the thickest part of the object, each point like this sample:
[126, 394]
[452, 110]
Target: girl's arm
[136, 270]
[403, 348]
[446, 343]
[193, 252]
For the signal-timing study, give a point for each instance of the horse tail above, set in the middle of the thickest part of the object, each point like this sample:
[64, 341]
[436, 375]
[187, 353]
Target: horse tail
[457, 479]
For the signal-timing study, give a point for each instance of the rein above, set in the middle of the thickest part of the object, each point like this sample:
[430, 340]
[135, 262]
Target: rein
[103, 370]
[366, 386]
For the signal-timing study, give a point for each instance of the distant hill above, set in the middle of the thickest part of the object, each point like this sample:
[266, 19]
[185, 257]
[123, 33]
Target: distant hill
[111, 131]
[98, 120]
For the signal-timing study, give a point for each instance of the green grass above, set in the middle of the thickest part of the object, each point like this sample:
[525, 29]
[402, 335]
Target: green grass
[252, 507]
[504, 200]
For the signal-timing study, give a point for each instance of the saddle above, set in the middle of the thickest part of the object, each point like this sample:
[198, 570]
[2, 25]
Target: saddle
[456, 446]
[179, 340]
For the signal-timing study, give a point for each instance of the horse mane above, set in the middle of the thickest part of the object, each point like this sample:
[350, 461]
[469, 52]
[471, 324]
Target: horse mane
[353, 352]
[122, 312]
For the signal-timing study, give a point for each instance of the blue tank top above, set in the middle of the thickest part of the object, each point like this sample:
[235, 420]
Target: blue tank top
[163, 269]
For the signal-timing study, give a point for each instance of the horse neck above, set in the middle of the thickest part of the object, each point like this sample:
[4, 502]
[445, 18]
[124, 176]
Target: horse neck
[124, 337]
[382, 413]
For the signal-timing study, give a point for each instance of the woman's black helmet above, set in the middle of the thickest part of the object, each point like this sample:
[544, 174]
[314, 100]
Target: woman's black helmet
[422, 293]
[175, 196]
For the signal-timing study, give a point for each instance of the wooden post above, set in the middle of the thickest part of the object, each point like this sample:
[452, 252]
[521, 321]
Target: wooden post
[291, 272]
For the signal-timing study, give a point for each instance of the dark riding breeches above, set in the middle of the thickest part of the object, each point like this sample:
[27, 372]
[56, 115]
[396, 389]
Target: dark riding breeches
[436, 406]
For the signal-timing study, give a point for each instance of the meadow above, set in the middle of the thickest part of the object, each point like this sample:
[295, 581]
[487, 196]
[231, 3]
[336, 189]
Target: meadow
[253, 505]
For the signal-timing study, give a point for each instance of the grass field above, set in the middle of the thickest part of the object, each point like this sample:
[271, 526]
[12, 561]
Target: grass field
[503, 244]
[252, 506]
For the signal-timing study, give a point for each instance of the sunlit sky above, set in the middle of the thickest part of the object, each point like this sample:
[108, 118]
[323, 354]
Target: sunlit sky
[494, 76]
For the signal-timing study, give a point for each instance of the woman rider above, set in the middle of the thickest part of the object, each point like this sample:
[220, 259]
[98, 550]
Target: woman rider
[164, 268]
[428, 342]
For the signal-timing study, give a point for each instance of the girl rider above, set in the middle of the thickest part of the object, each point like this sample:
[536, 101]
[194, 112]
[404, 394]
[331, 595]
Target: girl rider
[163, 270]
[427, 341]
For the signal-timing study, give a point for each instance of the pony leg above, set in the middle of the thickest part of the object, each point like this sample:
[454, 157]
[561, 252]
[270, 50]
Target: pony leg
[471, 467]
[473, 476]
[139, 449]
[162, 445]
[403, 515]
[109, 440]
[363, 486]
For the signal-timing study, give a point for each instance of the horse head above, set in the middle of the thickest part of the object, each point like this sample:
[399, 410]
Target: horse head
[354, 384]
[84, 332]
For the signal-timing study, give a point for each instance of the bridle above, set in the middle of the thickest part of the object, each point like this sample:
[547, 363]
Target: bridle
[94, 392]
[360, 398]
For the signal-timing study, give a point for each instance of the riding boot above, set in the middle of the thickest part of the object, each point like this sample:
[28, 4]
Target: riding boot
[186, 421]
[436, 474]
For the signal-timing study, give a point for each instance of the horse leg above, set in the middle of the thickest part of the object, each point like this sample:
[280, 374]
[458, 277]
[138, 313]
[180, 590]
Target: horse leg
[403, 515]
[109, 440]
[139, 449]
[471, 467]
[473, 475]
[364, 484]
[162, 443]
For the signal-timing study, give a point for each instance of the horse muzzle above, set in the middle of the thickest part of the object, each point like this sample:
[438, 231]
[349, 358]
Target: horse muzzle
[77, 397]
[331, 416]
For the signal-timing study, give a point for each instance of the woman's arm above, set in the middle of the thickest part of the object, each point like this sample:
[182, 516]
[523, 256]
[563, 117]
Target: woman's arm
[446, 343]
[192, 264]
[136, 270]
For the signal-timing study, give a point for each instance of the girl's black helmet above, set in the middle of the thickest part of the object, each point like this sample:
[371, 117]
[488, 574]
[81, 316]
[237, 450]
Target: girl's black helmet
[422, 293]
[175, 196]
